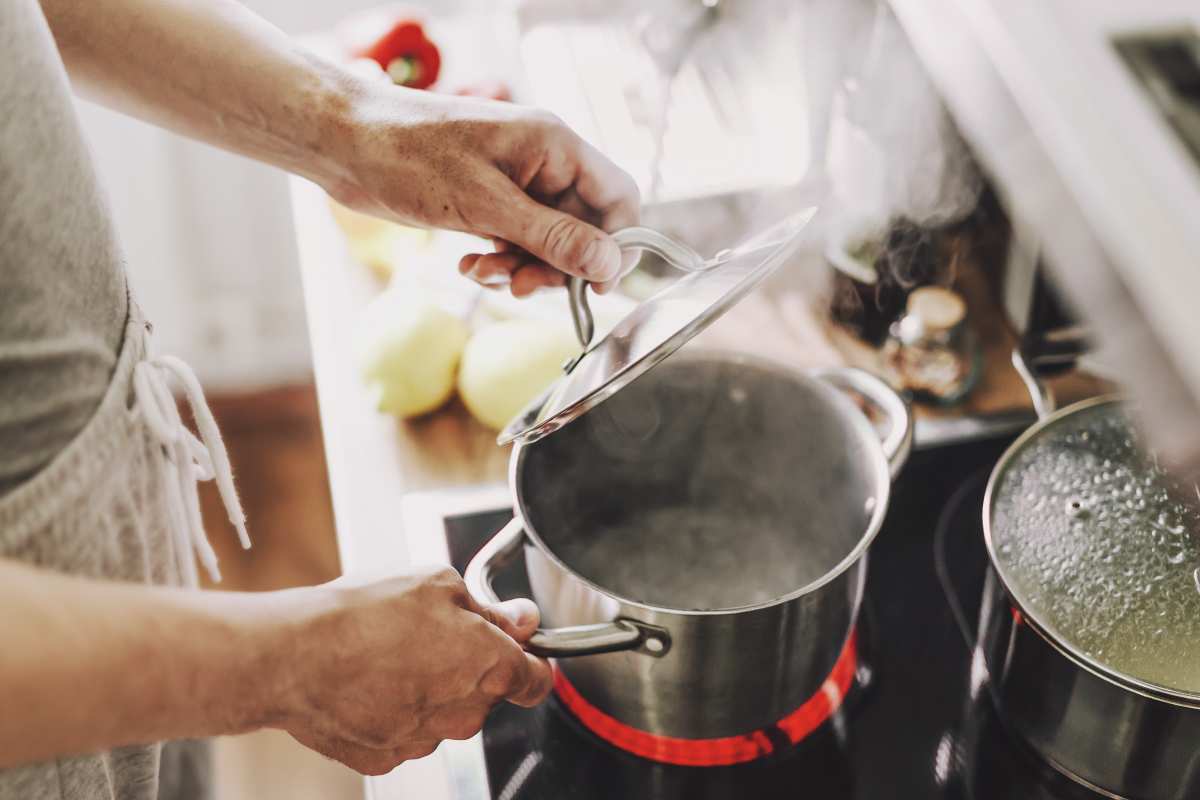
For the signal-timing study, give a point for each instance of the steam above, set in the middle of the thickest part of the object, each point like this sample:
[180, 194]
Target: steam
[893, 153]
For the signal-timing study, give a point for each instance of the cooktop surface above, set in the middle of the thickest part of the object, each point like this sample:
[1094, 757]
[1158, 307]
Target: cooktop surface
[912, 726]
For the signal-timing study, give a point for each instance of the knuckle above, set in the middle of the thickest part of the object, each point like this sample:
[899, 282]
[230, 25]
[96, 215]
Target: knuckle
[446, 575]
[465, 728]
[476, 719]
[370, 767]
[461, 724]
[421, 749]
[631, 190]
[372, 763]
[544, 689]
[561, 242]
[444, 580]
[498, 680]
[548, 119]
[481, 628]
[462, 731]
[377, 736]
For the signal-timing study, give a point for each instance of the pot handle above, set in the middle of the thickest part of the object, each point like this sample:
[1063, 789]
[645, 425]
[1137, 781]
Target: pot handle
[897, 444]
[576, 640]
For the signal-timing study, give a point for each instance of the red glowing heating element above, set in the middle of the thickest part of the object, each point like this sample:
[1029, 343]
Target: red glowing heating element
[727, 749]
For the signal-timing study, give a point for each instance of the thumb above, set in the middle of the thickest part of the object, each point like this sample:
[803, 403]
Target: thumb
[564, 242]
[518, 618]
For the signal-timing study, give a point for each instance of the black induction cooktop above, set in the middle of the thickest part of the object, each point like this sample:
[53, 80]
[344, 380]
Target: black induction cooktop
[918, 723]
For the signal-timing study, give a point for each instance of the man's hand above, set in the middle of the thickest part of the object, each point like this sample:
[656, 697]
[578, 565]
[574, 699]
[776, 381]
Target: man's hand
[517, 176]
[382, 673]
[371, 675]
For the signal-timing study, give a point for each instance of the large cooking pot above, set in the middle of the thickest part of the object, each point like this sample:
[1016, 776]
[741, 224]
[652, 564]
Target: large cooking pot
[697, 543]
[1090, 624]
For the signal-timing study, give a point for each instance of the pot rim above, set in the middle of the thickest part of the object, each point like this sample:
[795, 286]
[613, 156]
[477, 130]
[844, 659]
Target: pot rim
[873, 446]
[1097, 668]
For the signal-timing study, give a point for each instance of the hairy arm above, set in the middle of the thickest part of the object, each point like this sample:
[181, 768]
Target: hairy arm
[371, 674]
[88, 664]
[212, 70]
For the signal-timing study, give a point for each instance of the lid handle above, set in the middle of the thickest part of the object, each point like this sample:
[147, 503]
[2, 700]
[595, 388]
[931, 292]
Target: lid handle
[674, 252]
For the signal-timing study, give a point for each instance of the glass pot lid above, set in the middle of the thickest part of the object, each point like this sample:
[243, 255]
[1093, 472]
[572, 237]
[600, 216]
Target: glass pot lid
[1096, 546]
[657, 327]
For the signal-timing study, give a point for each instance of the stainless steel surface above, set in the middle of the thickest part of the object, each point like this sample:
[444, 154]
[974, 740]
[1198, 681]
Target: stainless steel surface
[1109, 738]
[789, 457]
[1051, 343]
[577, 640]
[1115, 733]
[657, 328]
[897, 444]
[1040, 393]
[581, 312]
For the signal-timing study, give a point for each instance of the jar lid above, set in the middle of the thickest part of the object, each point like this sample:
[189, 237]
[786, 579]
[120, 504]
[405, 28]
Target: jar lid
[659, 326]
[1097, 548]
[938, 309]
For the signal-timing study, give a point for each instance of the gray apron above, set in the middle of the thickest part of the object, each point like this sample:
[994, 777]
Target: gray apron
[120, 503]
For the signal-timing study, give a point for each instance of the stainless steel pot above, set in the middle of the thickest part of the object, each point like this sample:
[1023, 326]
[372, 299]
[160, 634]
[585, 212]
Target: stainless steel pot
[1118, 740]
[1121, 730]
[700, 537]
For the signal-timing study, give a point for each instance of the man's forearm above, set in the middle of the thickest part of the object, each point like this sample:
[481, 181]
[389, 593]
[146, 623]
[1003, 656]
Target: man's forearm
[370, 673]
[87, 665]
[211, 70]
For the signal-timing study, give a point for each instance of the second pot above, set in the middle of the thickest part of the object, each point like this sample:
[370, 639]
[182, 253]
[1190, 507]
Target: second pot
[1088, 626]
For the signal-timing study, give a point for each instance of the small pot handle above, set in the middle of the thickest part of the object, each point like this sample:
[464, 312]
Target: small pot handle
[897, 444]
[577, 640]
[675, 253]
[1045, 353]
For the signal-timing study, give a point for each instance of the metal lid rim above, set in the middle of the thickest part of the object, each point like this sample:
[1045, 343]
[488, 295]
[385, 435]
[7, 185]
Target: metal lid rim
[1115, 677]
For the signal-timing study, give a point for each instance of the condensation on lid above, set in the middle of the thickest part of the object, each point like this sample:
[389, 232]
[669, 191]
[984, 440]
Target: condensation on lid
[1095, 545]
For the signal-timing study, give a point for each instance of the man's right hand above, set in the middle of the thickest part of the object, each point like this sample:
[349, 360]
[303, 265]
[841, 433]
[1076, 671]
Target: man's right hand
[381, 673]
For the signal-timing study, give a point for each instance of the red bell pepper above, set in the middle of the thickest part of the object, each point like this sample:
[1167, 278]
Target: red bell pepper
[407, 55]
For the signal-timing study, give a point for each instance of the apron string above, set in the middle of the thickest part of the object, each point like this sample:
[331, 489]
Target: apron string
[196, 459]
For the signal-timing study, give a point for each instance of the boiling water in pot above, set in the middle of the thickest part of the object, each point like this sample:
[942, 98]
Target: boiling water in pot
[714, 558]
[705, 485]
[1093, 544]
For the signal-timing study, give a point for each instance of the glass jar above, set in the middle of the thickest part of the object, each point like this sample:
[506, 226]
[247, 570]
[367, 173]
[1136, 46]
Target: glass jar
[931, 350]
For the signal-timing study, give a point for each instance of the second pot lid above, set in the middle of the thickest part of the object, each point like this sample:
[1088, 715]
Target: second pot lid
[657, 327]
[1095, 545]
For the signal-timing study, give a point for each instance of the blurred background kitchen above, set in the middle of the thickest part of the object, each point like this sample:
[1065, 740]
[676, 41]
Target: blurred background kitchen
[991, 177]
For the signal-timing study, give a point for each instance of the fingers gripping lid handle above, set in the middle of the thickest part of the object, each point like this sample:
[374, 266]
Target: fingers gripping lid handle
[673, 252]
